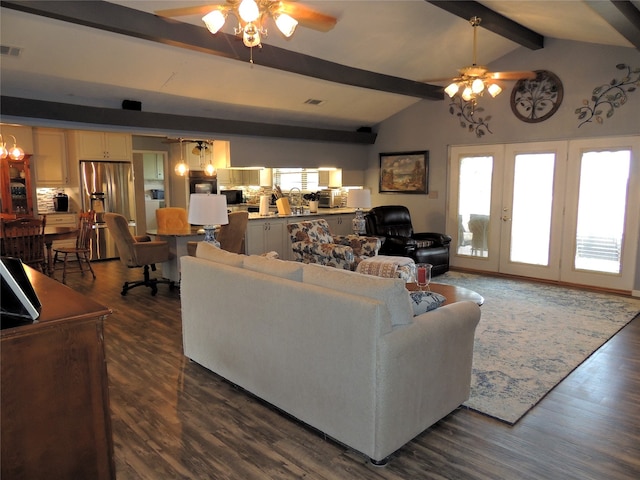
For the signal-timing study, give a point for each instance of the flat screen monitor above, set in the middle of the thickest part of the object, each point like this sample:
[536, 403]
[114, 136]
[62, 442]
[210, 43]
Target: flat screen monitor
[19, 301]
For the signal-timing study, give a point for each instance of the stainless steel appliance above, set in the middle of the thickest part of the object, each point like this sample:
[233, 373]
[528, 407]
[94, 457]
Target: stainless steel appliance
[199, 182]
[329, 198]
[234, 197]
[107, 187]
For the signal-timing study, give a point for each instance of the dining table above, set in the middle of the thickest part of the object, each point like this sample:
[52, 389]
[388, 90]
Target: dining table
[178, 241]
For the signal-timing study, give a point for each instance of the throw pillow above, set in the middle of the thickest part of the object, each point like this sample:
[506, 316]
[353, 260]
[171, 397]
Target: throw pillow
[423, 302]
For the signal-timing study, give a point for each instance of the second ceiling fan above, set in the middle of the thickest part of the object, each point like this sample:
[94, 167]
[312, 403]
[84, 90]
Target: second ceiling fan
[475, 79]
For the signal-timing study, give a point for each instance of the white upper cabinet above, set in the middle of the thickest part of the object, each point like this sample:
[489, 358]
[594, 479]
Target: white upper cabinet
[49, 161]
[91, 145]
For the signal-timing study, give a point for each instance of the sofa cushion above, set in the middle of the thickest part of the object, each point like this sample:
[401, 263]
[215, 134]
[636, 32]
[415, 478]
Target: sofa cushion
[272, 266]
[391, 291]
[423, 302]
[210, 252]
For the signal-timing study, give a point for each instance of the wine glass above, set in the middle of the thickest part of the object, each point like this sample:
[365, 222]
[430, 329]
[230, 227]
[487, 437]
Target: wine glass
[423, 275]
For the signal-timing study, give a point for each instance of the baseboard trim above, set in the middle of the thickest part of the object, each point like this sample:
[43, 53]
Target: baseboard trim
[635, 293]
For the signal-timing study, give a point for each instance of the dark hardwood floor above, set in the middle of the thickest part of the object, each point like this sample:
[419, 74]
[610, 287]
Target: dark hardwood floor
[174, 419]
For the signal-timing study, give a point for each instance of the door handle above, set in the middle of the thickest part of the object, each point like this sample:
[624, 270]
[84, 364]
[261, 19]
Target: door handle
[505, 218]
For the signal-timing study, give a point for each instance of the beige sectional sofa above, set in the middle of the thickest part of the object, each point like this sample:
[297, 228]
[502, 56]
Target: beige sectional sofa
[338, 350]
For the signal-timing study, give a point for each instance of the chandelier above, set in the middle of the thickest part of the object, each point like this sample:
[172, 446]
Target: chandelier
[14, 153]
[251, 15]
[475, 79]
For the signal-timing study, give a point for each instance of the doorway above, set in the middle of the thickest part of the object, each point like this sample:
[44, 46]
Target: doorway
[564, 211]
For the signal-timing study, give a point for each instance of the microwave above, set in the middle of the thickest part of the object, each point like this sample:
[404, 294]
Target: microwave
[330, 199]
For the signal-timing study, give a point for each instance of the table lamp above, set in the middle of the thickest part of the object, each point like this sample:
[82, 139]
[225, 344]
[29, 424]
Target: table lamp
[358, 199]
[208, 210]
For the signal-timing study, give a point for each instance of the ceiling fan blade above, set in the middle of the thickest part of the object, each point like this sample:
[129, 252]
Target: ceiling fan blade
[512, 75]
[440, 80]
[185, 11]
[308, 17]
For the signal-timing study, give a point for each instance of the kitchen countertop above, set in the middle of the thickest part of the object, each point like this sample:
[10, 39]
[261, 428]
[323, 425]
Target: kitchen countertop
[321, 213]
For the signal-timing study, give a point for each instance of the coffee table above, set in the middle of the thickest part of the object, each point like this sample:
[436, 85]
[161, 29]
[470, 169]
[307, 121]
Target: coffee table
[451, 293]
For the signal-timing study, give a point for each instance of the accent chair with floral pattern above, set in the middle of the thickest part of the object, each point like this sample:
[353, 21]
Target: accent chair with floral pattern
[313, 242]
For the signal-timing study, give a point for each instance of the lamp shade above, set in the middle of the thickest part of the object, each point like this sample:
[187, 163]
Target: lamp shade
[359, 198]
[206, 209]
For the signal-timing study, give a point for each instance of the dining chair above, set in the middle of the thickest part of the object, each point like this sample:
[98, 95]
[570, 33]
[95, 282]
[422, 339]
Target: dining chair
[80, 253]
[23, 238]
[231, 235]
[172, 219]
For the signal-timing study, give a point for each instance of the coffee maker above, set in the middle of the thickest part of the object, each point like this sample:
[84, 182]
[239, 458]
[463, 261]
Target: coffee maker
[61, 202]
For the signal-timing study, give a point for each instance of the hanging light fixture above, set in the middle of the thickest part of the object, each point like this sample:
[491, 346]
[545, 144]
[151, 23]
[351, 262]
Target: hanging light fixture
[14, 153]
[250, 15]
[473, 80]
[181, 168]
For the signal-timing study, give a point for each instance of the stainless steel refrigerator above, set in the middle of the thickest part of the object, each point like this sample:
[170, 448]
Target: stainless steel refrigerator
[107, 187]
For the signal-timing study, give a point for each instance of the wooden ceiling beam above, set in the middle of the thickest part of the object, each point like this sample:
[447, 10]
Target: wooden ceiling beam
[116, 18]
[81, 114]
[623, 15]
[493, 22]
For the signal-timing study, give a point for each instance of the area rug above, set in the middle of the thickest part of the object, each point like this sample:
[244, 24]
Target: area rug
[531, 336]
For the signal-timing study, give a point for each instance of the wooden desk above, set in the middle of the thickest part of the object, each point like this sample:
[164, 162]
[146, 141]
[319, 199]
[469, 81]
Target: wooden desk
[451, 293]
[54, 407]
[177, 247]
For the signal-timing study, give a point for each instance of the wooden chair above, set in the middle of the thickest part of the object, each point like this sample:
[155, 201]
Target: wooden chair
[23, 238]
[80, 253]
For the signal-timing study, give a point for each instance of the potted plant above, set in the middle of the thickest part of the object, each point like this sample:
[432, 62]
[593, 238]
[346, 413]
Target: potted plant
[312, 198]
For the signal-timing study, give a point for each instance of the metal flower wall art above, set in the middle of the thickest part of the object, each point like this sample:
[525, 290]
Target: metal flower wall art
[606, 98]
[469, 116]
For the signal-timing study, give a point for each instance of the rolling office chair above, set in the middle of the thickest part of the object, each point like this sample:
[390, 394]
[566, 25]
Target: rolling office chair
[137, 252]
[172, 219]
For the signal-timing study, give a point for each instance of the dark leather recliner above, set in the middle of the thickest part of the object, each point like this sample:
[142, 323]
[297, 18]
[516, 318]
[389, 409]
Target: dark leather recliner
[393, 224]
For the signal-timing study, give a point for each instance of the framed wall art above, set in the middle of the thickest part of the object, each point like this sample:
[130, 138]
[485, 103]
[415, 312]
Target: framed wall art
[404, 172]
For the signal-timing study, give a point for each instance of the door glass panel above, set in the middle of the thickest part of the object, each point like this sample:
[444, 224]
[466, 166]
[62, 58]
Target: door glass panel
[531, 211]
[602, 204]
[474, 203]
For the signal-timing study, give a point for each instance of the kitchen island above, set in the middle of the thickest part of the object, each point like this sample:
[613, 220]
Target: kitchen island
[269, 233]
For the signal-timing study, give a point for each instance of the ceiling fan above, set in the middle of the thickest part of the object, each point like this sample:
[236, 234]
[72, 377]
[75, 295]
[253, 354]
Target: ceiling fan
[252, 15]
[475, 79]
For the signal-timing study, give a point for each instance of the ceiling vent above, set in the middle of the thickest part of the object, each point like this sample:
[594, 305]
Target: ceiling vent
[10, 51]
[313, 101]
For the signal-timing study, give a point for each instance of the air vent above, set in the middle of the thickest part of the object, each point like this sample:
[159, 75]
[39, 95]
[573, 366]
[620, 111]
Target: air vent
[9, 50]
[314, 101]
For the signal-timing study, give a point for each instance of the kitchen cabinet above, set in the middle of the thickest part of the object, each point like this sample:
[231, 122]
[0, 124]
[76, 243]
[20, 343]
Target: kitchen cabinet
[15, 187]
[90, 145]
[50, 164]
[340, 224]
[267, 235]
[153, 164]
[239, 176]
[63, 220]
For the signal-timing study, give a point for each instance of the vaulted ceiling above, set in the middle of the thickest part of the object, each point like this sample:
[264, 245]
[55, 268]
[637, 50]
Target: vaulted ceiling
[375, 62]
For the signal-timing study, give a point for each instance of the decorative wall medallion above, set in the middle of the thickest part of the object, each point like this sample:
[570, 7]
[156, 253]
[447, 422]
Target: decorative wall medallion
[609, 96]
[537, 99]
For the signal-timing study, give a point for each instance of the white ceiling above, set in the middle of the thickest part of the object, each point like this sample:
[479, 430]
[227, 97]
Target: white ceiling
[416, 40]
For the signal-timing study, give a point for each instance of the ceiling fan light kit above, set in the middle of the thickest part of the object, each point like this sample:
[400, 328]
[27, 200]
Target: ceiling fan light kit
[474, 80]
[250, 15]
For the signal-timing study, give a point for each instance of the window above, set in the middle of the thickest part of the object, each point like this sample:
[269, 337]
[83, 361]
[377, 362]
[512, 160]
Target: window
[306, 179]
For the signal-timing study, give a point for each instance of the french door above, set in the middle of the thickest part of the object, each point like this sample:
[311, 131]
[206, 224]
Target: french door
[563, 211]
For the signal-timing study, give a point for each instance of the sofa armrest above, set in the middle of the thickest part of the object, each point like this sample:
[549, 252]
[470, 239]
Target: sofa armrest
[400, 246]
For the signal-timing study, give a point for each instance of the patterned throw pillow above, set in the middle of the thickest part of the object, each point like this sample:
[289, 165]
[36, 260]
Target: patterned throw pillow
[423, 302]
